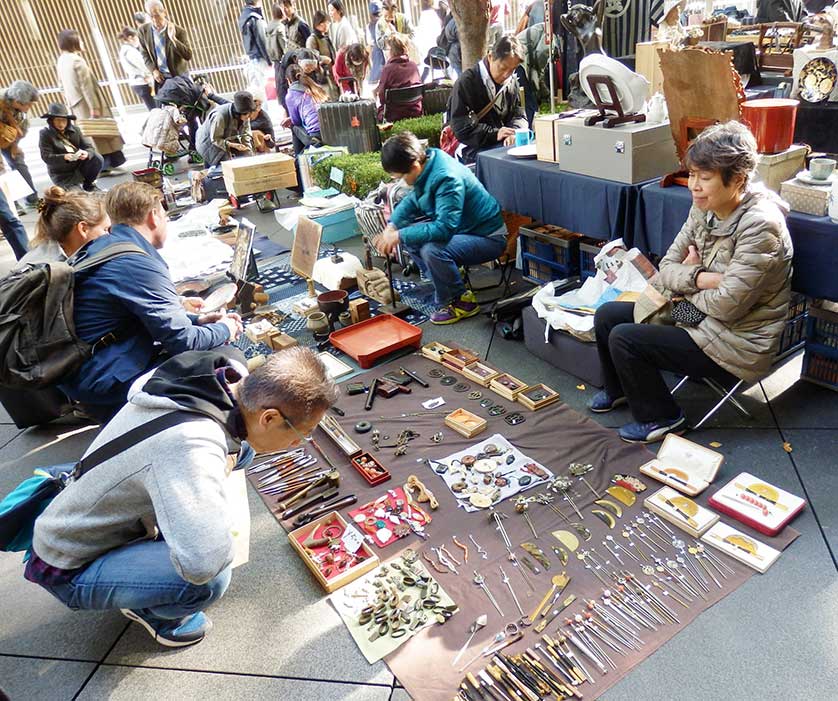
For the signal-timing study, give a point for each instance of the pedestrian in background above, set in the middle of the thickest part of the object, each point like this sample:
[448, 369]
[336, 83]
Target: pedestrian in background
[341, 32]
[131, 60]
[79, 85]
[15, 102]
[165, 46]
[254, 40]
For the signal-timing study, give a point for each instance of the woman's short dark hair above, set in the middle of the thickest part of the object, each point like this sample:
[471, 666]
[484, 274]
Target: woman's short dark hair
[319, 18]
[276, 11]
[507, 47]
[338, 5]
[127, 33]
[400, 152]
[728, 149]
[292, 73]
[69, 40]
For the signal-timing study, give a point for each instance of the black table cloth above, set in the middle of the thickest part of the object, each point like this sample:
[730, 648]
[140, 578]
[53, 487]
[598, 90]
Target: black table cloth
[817, 125]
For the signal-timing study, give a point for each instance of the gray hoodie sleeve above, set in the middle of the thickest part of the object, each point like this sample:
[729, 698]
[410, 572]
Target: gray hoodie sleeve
[187, 488]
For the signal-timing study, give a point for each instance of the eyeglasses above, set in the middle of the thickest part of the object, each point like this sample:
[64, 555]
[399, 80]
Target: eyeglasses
[303, 438]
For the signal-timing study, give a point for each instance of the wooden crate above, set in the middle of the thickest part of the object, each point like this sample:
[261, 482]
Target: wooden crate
[269, 171]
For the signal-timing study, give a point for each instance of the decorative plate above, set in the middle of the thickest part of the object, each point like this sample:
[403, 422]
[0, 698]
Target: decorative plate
[219, 298]
[817, 79]
[527, 151]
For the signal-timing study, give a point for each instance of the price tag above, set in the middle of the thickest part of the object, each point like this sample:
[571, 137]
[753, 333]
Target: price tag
[336, 175]
[351, 539]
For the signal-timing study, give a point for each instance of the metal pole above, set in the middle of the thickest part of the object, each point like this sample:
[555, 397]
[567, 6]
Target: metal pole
[107, 66]
[548, 38]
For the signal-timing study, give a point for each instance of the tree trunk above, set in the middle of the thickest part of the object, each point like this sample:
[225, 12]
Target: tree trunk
[472, 18]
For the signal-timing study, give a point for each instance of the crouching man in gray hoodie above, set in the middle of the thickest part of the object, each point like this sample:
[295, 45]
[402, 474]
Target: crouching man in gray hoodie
[148, 530]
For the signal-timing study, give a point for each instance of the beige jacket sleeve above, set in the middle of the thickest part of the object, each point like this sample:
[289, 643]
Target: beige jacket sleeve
[756, 257]
[86, 83]
[673, 274]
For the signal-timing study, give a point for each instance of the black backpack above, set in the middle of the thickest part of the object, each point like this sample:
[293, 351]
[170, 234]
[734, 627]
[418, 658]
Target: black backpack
[38, 342]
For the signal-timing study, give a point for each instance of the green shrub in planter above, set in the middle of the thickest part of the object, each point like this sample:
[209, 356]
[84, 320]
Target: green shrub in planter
[362, 172]
[428, 127]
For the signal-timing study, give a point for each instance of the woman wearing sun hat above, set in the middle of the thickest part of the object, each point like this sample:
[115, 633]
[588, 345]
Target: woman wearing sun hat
[71, 157]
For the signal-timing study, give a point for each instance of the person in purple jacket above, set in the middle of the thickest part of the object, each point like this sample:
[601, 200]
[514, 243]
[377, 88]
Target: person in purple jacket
[303, 99]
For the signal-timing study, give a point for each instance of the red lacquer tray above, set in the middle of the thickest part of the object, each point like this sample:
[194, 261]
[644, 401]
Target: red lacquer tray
[372, 339]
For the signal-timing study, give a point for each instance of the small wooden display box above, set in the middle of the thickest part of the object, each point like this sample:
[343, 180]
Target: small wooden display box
[459, 358]
[681, 511]
[537, 397]
[370, 469]
[465, 423]
[435, 350]
[684, 465]
[507, 386]
[480, 373]
[339, 578]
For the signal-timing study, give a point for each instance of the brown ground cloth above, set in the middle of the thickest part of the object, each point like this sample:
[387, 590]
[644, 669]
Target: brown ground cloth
[555, 436]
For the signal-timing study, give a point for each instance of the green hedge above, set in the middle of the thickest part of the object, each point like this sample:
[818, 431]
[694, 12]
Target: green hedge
[362, 172]
[544, 107]
[428, 127]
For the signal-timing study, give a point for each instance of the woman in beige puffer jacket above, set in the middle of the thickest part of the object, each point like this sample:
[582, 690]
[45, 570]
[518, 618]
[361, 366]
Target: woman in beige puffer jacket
[730, 270]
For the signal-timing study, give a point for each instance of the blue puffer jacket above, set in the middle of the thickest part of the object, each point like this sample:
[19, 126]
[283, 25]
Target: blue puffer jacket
[447, 193]
[136, 293]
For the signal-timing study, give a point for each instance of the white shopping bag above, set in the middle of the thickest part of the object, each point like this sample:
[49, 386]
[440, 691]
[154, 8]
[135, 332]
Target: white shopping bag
[239, 516]
[14, 186]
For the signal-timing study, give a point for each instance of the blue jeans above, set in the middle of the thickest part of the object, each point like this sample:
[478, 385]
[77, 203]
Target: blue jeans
[12, 229]
[441, 261]
[139, 576]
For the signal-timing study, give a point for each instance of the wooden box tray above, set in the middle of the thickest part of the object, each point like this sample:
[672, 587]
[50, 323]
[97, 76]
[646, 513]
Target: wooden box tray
[681, 511]
[435, 350]
[338, 578]
[507, 386]
[537, 396]
[370, 469]
[459, 358]
[465, 423]
[480, 373]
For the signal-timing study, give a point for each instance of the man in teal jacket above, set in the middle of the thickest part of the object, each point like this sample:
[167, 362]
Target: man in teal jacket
[448, 220]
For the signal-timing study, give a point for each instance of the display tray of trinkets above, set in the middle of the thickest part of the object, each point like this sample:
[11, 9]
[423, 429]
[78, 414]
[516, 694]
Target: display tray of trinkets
[390, 605]
[334, 551]
[489, 472]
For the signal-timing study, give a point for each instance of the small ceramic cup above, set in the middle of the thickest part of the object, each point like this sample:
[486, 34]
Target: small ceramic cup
[821, 168]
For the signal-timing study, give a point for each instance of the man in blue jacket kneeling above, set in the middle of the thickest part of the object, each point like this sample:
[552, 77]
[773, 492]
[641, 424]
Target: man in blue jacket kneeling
[128, 307]
[461, 223]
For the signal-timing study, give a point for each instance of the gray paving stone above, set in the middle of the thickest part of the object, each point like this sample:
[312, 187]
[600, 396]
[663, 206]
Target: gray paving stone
[735, 649]
[814, 454]
[131, 683]
[798, 403]
[27, 678]
[34, 623]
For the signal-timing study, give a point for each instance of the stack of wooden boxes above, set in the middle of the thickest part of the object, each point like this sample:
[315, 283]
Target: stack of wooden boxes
[269, 171]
